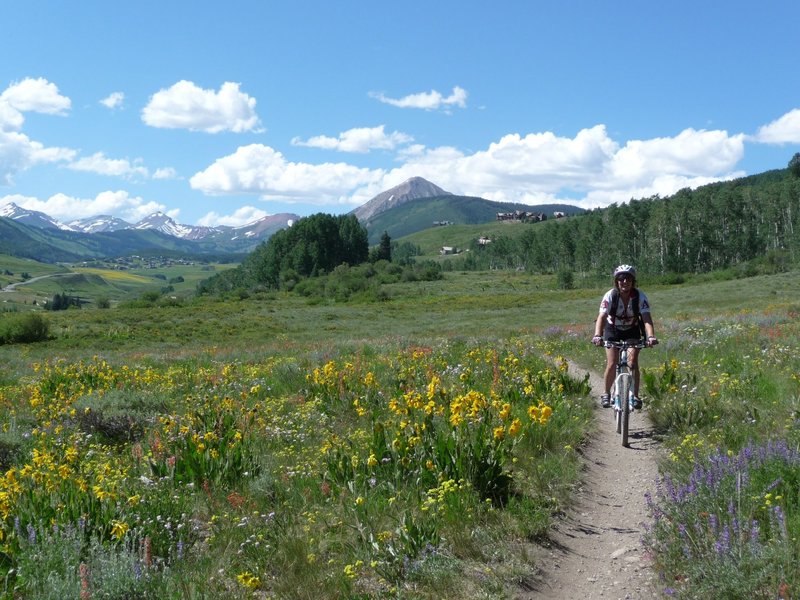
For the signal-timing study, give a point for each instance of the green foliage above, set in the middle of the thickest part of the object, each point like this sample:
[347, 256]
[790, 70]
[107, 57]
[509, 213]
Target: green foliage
[565, 279]
[62, 302]
[403, 252]
[384, 249]
[794, 165]
[23, 328]
[363, 281]
[311, 247]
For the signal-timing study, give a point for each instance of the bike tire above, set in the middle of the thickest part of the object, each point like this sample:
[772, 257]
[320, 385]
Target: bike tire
[615, 407]
[625, 408]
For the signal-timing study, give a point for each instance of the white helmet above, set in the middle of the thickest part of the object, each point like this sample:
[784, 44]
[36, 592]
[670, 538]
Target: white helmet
[625, 269]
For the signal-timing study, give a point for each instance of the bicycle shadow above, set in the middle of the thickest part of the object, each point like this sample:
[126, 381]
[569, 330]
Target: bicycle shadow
[642, 438]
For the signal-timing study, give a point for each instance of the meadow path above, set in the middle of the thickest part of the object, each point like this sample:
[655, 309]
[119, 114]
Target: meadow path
[595, 551]
[12, 287]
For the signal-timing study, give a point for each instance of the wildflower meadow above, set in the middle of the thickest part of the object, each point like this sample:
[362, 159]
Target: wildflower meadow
[362, 475]
[416, 447]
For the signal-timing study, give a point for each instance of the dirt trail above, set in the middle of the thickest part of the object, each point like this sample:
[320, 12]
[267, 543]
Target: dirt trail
[595, 549]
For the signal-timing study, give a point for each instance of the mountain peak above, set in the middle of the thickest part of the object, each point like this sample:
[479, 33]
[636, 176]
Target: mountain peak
[410, 189]
[32, 217]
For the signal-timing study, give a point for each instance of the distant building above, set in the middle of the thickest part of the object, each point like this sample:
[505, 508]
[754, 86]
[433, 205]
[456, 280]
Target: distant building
[521, 215]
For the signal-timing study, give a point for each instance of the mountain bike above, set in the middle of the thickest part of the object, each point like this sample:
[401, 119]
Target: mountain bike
[622, 392]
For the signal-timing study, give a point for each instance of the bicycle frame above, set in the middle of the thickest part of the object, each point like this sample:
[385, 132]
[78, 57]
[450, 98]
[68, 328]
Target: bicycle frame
[622, 392]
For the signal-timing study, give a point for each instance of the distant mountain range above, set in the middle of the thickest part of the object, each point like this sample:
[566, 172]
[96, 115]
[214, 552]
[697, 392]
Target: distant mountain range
[413, 205]
[157, 221]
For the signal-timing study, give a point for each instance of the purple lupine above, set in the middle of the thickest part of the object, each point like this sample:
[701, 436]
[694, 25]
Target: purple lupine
[780, 520]
[755, 531]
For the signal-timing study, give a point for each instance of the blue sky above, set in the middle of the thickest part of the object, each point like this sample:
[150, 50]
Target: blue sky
[219, 113]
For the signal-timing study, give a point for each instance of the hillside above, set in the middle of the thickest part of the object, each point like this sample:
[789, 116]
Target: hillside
[424, 213]
[55, 245]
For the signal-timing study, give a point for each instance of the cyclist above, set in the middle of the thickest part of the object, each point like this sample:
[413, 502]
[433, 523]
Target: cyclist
[624, 315]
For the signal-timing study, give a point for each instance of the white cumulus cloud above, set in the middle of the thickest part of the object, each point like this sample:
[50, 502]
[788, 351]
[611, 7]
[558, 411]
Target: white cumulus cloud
[36, 95]
[19, 153]
[259, 169]
[359, 139]
[113, 100]
[165, 173]
[784, 130]
[432, 100]
[187, 106]
[114, 167]
[590, 169]
[242, 216]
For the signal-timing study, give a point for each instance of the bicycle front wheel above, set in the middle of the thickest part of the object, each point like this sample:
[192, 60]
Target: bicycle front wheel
[623, 388]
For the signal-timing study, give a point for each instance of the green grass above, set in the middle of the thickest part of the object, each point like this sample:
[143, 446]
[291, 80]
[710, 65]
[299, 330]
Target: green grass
[93, 283]
[431, 240]
[297, 499]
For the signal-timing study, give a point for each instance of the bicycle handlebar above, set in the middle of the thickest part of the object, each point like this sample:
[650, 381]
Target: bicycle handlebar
[625, 344]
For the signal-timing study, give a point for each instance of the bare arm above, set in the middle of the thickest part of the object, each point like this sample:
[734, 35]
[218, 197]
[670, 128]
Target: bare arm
[648, 325]
[599, 324]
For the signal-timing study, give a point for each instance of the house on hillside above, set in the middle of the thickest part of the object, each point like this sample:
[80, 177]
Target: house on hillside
[448, 250]
[521, 215]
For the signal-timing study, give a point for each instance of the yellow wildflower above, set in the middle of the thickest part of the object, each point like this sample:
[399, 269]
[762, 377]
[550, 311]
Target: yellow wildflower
[119, 529]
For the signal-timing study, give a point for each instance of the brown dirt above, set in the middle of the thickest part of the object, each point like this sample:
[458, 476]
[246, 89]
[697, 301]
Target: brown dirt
[595, 550]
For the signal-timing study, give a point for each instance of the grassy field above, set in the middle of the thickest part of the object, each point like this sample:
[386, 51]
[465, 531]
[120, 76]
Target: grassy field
[431, 240]
[410, 448]
[93, 283]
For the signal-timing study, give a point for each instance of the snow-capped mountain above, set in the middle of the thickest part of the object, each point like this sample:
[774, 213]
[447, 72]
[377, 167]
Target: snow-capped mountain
[99, 224]
[33, 218]
[161, 222]
[243, 236]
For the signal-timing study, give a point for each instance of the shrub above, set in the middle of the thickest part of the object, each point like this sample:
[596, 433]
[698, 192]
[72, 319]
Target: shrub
[24, 328]
[565, 279]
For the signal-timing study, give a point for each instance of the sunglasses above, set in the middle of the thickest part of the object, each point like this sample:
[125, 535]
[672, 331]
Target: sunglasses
[625, 278]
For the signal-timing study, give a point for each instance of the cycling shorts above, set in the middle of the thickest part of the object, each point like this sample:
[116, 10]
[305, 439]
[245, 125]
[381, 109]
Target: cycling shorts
[615, 334]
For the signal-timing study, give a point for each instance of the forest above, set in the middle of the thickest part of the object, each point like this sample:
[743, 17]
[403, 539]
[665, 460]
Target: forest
[713, 227]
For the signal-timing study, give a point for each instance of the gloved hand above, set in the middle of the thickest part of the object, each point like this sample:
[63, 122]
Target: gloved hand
[597, 340]
[652, 341]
